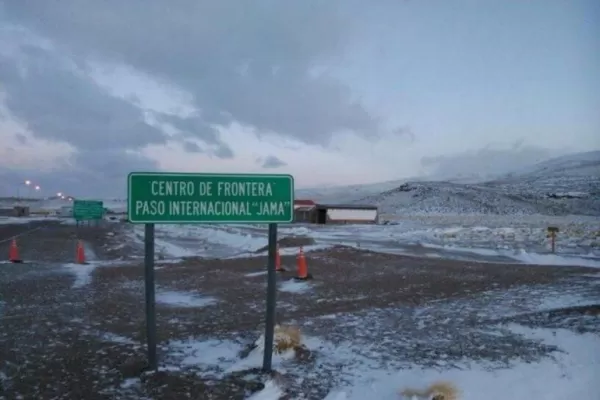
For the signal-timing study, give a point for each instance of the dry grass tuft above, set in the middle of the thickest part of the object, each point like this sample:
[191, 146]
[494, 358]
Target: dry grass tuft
[287, 337]
[440, 390]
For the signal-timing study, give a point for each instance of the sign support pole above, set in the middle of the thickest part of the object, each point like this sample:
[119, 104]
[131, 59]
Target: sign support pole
[150, 295]
[271, 299]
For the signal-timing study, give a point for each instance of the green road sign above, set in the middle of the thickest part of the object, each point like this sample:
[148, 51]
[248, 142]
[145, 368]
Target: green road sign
[184, 198]
[88, 209]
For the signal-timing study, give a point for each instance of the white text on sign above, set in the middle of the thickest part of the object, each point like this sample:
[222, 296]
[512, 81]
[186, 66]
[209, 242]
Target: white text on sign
[193, 208]
[222, 189]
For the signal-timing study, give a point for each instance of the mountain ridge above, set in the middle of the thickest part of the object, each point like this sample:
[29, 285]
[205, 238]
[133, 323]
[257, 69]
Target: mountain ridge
[563, 185]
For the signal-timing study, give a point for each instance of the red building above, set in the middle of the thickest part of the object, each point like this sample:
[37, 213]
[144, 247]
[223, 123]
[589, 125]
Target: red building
[304, 210]
[304, 203]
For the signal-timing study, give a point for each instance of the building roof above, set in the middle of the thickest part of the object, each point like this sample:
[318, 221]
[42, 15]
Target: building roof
[348, 206]
[304, 203]
[304, 208]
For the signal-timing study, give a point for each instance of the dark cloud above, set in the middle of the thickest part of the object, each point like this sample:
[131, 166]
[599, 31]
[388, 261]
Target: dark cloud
[272, 162]
[192, 127]
[198, 128]
[405, 132]
[58, 103]
[223, 151]
[191, 147]
[22, 139]
[247, 61]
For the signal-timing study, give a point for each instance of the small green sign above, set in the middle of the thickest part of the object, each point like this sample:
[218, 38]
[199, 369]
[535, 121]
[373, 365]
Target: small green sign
[88, 210]
[184, 198]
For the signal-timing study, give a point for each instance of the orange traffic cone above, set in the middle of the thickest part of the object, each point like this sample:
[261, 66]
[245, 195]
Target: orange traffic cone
[13, 252]
[80, 253]
[302, 267]
[278, 266]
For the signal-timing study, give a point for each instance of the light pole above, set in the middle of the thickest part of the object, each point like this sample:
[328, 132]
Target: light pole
[28, 184]
[37, 188]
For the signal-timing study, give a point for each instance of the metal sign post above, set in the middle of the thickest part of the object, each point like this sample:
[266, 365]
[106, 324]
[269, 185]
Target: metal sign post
[552, 231]
[271, 299]
[150, 295]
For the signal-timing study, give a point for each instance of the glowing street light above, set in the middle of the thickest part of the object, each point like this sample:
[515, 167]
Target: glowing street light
[28, 184]
[59, 194]
[37, 187]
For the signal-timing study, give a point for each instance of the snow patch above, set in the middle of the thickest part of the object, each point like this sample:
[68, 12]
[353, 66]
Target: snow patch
[570, 375]
[285, 251]
[259, 273]
[130, 383]
[525, 257]
[205, 354]
[222, 357]
[172, 250]
[553, 259]
[254, 359]
[25, 220]
[271, 391]
[114, 338]
[183, 299]
[82, 272]
[294, 286]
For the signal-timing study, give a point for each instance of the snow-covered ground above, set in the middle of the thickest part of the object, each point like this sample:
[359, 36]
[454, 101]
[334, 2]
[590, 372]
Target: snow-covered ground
[570, 374]
[465, 343]
[518, 342]
[518, 239]
[24, 220]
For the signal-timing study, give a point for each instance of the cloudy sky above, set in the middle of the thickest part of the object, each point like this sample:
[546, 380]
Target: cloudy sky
[333, 92]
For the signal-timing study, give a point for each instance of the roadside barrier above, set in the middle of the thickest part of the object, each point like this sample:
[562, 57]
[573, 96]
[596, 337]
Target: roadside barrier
[278, 266]
[13, 252]
[302, 267]
[80, 253]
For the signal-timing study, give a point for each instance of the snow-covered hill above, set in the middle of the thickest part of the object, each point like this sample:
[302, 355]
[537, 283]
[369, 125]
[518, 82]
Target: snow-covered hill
[577, 164]
[561, 186]
[354, 193]
[345, 194]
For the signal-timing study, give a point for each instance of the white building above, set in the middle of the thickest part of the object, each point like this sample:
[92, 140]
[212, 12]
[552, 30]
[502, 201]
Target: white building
[346, 214]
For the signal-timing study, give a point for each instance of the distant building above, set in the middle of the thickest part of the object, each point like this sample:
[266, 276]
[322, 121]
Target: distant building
[346, 214]
[307, 211]
[304, 203]
[65, 211]
[304, 211]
